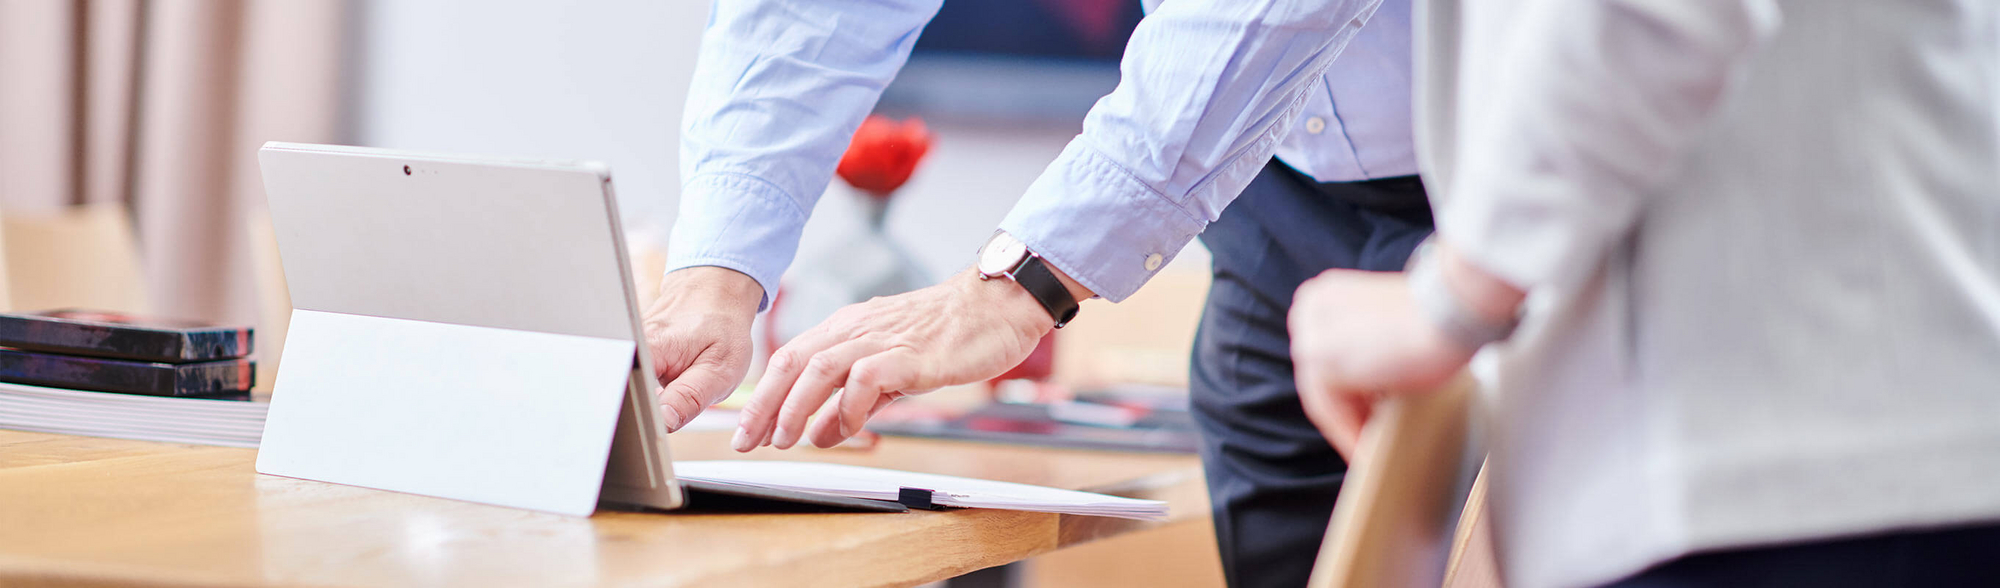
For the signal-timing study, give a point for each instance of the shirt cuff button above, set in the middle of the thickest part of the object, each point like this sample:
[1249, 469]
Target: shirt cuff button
[1153, 262]
[1315, 124]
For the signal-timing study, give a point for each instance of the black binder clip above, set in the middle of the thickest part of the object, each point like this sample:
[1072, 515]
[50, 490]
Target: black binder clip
[917, 498]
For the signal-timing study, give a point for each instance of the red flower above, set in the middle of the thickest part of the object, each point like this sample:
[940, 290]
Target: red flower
[883, 154]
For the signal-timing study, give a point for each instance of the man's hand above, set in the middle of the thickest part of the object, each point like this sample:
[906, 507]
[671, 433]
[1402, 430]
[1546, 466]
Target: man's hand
[699, 334]
[958, 332]
[1358, 336]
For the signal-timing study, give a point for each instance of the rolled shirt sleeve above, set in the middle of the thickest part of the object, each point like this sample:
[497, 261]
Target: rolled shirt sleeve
[778, 90]
[1207, 89]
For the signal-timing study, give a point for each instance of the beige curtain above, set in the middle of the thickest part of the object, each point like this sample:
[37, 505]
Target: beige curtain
[160, 105]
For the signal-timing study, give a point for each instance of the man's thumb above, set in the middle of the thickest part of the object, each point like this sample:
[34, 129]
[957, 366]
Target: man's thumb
[691, 391]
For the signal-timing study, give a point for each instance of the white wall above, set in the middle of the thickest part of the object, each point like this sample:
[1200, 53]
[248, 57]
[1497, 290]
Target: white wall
[606, 80]
[573, 80]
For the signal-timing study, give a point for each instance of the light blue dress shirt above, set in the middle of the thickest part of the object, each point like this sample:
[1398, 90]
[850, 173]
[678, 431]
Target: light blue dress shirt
[1209, 90]
[1356, 124]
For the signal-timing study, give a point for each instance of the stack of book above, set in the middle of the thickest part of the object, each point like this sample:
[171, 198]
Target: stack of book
[104, 374]
[128, 416]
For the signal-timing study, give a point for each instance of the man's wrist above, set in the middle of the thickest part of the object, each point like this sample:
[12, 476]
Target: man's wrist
[1076, 289]
[1012, 301]
[714, 286]
[1006, 258]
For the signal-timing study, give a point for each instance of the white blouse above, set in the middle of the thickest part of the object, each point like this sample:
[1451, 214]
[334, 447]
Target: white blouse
[1762, 239]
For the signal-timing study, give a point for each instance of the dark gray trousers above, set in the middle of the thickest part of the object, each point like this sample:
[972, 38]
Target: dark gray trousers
[1271, 477]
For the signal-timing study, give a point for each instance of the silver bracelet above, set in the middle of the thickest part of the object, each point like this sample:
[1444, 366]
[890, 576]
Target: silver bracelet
[1438, 303]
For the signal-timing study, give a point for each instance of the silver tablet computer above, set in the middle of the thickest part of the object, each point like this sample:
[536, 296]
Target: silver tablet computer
[467, 328]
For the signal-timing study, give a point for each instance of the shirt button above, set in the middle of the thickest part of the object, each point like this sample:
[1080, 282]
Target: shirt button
[1153, 262]
[1315, 125]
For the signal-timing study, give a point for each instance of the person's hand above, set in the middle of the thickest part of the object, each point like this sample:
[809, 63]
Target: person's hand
[699, 334]
[1358, 336]
[958, 332]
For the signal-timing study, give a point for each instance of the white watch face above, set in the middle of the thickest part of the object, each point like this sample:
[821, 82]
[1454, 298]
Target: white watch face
[1001, 254]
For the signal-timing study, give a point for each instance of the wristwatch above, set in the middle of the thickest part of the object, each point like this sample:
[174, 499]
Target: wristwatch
[1003, 256]
[1445, 309]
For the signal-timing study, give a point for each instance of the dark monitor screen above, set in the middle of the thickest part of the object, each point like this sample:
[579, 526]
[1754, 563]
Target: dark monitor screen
[1014, 61]
[1094, 30]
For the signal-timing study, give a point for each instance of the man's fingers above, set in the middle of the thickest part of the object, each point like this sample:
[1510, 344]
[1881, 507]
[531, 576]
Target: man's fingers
[872, 383]
[760, 415]
[826, 429]
[870, 380]
[823, 373]
[697, 387]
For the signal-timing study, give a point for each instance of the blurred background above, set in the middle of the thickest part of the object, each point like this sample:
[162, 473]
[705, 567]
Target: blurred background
[129, 129]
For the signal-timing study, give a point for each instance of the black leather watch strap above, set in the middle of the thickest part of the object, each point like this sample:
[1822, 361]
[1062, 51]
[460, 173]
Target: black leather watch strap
[1034, 276]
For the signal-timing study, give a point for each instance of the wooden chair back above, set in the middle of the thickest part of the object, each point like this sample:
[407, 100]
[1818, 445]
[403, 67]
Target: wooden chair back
[1393, 525]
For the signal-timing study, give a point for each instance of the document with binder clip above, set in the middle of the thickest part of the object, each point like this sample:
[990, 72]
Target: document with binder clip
[918, 490]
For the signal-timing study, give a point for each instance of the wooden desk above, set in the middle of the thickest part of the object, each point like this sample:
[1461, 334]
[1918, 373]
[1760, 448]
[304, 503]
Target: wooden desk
[88, 511]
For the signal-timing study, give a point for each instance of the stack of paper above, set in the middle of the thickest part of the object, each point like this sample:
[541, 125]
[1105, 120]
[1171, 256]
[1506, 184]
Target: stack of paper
[879, 484]
[231, 423]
